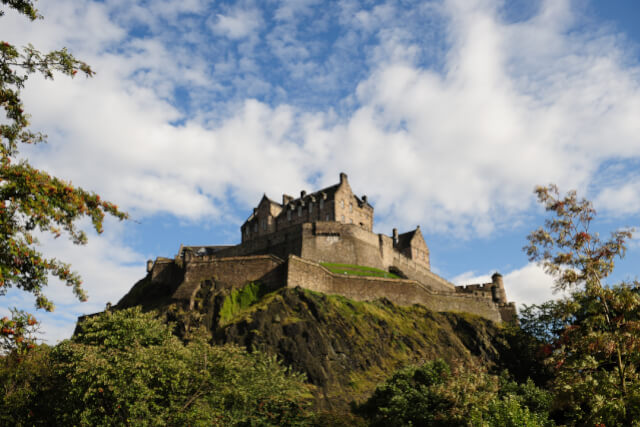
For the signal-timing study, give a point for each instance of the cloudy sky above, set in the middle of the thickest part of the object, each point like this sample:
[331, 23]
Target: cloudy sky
[446, 113]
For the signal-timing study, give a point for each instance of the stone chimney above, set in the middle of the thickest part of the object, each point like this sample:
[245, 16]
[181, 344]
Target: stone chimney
[364, 199]
[343, 177]
[302, 194]
[395, 237]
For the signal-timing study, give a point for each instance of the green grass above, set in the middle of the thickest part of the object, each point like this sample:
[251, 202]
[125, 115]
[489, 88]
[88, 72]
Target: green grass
[357, 270]
[241, 299]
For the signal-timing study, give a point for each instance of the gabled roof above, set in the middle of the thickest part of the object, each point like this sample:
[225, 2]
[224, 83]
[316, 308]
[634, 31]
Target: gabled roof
[263, 199]
[404, 239]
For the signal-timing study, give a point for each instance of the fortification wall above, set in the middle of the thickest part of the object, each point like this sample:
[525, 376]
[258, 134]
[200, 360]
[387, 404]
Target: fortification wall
[312, 276]
[281, 244]
[418, 272]
[165, 271]
[230, 273]
[340, 243]
[329, 241]
[351, 244]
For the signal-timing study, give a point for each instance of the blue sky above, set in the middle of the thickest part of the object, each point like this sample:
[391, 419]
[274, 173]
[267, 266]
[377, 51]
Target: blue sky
[445, 113]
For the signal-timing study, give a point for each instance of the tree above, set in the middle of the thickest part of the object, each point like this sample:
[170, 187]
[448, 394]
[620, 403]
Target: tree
[126, 368]
[592, 337]
[30, 199]
[433, 395]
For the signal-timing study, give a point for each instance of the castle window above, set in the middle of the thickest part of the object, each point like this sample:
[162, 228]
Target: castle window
[311, 207]
[342, 204]
[255, 227]
[328, 217]
[264, 224]
[350, 207]
[288, 215]
[350, 220]
[299, 211]
[342, 218]
[322, 205]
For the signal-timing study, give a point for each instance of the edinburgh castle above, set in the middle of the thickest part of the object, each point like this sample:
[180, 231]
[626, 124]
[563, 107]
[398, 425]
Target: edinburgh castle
[295, 243]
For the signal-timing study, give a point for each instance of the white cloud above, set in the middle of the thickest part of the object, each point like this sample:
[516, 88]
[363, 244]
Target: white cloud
[470, 278]
[239, 23]
[623, 199]
[458, 149]
[108, 269]
[529, 285]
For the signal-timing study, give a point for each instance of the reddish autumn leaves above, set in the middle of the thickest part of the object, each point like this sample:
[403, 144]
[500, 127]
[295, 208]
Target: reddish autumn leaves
[18, 333]
[32, 201]
[594, 342]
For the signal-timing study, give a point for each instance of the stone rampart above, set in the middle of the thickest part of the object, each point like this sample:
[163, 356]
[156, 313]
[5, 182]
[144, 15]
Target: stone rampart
[351, 244]
[340, 243]
[329, 241]
[230, 273]
[310, 275]
[280, 243]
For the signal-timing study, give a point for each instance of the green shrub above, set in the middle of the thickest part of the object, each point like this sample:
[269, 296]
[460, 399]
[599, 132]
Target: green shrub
[125, 368]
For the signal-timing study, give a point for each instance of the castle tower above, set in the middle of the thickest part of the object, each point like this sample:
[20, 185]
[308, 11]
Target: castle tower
[497, 290]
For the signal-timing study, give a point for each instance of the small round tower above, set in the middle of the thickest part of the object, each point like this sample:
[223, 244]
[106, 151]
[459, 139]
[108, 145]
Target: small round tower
[497, 290]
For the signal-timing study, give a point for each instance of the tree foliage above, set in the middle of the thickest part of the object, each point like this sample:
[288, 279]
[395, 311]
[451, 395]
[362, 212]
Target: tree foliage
[433, 395]
[591, 338]
[31, 200]
[126, 368]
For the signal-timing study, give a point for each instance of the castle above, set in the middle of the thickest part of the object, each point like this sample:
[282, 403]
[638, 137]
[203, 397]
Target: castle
[294, 242]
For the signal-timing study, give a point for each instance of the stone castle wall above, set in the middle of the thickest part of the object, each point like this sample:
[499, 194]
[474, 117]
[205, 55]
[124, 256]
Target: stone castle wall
[350, 244]
[191, 274]
[338, 243]
[229, 273]
[312, 276]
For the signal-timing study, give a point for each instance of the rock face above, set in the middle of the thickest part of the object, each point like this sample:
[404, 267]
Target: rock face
[345, 347]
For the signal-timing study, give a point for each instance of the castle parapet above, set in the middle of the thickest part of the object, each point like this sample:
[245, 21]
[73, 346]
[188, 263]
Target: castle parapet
[493, 290]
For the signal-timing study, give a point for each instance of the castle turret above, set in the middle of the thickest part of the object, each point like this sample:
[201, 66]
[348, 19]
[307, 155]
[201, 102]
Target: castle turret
[497, 290]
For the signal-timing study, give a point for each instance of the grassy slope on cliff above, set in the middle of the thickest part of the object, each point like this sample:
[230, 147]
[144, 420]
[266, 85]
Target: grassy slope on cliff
[346, 347]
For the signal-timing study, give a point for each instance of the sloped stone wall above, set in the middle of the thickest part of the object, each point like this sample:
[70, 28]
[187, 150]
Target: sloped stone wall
[312, 276]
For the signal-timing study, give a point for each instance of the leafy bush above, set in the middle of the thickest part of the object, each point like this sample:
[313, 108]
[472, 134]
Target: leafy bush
[432, 395]
[126, 368]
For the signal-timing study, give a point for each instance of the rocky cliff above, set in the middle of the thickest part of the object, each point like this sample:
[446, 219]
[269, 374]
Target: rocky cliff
[345, 347]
